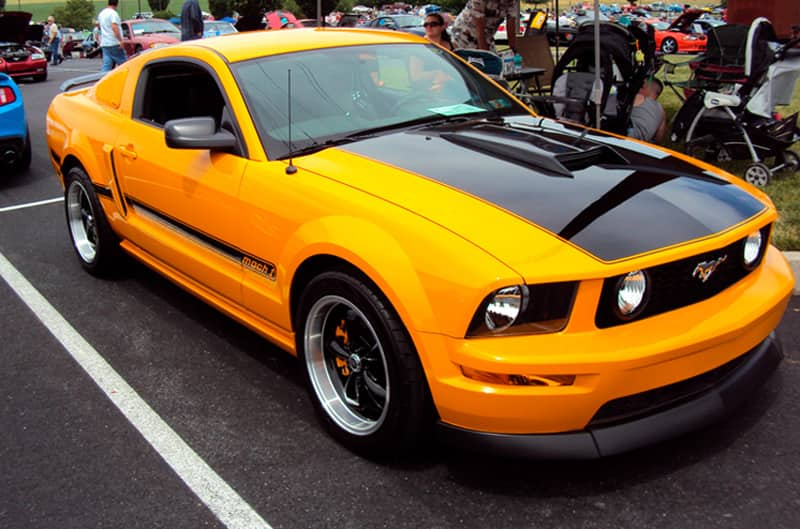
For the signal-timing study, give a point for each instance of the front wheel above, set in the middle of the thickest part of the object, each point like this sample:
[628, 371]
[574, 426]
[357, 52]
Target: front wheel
[757, 174]
[95, 244]
[669, 45]
[363, 374]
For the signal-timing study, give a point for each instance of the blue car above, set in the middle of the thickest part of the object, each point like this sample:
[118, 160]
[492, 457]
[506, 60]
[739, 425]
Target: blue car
[15, 140]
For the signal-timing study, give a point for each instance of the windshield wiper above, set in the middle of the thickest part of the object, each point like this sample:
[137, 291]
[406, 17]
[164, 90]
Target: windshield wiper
[426, 121]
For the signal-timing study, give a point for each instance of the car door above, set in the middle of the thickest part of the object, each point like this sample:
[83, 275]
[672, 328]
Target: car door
[182, 202]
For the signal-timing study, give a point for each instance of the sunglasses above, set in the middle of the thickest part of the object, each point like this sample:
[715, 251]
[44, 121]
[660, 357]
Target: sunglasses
[431, 24]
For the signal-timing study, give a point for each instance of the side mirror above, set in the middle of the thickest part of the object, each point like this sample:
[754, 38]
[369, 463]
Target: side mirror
[197, 133]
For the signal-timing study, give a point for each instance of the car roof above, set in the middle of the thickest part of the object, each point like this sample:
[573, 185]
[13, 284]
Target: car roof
[250, 44]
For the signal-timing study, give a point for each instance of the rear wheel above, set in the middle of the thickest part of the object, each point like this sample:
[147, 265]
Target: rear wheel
[95, 244]
[757, 174]
[25, 161]
[363, 374]
[791, 161]
[669, 45]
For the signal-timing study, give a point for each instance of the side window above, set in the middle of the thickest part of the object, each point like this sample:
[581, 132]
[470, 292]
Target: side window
[173, 90]
[126, 32]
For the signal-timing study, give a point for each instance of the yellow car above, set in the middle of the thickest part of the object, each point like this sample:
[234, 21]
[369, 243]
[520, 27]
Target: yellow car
[434, 254]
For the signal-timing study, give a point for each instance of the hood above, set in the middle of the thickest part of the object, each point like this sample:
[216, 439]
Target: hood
[684, 22]
[14, 26]
[612, 198]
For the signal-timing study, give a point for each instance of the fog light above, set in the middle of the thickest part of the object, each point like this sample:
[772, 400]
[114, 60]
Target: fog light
[752, 249]
[631, 291]
[518, 380]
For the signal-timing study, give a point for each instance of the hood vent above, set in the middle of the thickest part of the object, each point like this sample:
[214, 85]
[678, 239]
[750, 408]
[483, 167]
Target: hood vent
[534, 150]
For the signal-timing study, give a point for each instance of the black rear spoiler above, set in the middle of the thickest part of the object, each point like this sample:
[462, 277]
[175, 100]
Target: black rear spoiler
[92, 78]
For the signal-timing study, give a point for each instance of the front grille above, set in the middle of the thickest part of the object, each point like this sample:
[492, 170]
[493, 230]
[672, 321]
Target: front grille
[649, 402]
[673, 285]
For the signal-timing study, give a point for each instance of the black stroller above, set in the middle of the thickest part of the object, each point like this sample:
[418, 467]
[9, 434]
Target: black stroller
[738, 122]
[719, 67]
[627, 58]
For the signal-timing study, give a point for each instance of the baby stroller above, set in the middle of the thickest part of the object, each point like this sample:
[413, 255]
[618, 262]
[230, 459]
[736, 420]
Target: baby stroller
[627, 58]
[719, 67]
[741, 124]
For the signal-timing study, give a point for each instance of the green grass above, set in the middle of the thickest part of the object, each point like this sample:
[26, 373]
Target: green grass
[784, 188]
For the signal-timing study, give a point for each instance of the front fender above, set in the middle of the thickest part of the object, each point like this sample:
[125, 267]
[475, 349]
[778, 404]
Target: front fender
[434, 279]
[374, 251]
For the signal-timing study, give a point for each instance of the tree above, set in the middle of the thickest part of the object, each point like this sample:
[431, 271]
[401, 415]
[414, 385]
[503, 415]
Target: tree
[309, 7]
[158, 5]
[220, 8]
[76, 14]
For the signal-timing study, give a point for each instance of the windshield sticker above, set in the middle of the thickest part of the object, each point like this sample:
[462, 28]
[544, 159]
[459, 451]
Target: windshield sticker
[500, 103]
[456, 110]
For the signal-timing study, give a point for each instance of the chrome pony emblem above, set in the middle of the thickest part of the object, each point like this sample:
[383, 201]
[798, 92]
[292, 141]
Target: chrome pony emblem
[704, 270]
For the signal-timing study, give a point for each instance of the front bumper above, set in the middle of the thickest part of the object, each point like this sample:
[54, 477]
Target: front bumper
[710, 396]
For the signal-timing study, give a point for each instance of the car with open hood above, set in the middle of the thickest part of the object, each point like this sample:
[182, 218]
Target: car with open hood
[435, 254]
[681, 35]
[18, 56]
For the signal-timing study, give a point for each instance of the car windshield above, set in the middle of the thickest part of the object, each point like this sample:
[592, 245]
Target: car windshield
[217, 28]
[338, 94]
[154, 26]
[407, 21]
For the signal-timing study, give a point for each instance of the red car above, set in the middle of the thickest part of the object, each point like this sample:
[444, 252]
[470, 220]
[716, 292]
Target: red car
[17, 57]
[680, 36]
[143, 34]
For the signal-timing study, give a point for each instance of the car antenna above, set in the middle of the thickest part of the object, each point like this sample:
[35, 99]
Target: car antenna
[290, 169]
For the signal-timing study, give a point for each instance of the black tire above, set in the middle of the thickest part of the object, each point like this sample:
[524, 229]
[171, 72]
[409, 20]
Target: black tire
[669, 45]
[92, 239]
[25, 160]
[137, 49]
[40, 78]
[758, 174]
[351, 365]
[792, 161]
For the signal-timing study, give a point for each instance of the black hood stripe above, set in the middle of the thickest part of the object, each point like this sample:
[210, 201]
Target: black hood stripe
[611, 209]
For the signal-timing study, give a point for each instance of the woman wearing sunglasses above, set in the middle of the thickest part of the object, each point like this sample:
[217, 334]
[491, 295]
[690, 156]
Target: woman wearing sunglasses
[434, 31]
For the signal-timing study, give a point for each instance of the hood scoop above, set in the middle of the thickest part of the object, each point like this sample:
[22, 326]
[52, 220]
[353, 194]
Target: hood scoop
[534, 151]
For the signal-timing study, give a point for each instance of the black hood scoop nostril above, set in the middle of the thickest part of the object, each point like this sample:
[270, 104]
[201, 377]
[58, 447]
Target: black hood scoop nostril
[534, 151]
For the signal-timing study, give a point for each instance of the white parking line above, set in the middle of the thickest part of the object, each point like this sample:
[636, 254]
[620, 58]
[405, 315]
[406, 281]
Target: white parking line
[32, 204]
[215, 493]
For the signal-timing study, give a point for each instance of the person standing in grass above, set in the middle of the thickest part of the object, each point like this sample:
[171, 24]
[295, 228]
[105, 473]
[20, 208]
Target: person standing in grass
[477, 23]
[111, 37]
[191, 20]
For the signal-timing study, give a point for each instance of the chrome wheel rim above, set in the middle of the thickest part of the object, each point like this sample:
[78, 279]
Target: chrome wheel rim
[346, 365]
[669, 46]
[82, 221]
[757, 175]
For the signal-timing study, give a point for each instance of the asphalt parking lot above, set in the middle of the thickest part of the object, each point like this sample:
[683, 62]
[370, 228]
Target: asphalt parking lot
[230, 438]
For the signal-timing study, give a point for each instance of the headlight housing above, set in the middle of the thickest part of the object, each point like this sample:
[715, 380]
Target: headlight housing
[37, 56]
[753, 249]
[524, 309]
[632, 291]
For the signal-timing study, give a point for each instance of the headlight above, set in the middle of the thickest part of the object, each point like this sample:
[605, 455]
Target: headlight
[504, 307]
[631, 293]
[37, 56]
[752, 249]
[524, 309]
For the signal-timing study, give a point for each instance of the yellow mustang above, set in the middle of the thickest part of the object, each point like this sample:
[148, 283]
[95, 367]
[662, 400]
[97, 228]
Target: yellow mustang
[433, 252]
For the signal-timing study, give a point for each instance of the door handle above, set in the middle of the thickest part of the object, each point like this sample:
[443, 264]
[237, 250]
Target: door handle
[128, 152]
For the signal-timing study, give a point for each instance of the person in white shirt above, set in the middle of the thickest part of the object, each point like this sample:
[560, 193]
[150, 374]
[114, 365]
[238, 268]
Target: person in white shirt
[111, 37]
